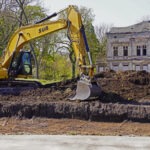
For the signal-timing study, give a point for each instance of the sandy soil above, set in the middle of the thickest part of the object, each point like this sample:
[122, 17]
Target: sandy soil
[72, 127]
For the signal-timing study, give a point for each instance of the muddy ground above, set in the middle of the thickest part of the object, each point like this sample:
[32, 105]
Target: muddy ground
[125, 97]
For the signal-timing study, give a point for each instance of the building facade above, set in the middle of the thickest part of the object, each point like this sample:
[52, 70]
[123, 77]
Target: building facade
[128, 48]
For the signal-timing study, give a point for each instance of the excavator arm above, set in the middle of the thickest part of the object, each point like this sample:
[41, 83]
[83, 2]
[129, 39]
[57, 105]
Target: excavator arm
[27, 34]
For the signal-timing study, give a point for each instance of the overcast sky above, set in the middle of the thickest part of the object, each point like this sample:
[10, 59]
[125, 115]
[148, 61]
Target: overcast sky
[116, 12]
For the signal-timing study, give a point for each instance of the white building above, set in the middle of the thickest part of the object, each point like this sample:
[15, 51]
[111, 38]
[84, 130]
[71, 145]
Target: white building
[128, 48]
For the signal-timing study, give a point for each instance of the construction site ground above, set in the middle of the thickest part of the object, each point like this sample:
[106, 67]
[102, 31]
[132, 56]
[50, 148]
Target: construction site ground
[122, 109]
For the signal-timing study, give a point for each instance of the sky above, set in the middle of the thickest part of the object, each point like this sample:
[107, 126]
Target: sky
[118, 13]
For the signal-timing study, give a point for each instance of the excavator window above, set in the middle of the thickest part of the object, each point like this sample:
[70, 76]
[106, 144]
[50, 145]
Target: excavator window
[21, 65]
[26, 63]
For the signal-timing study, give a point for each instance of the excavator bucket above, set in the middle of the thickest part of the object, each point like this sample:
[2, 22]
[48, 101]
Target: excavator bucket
[86, 90]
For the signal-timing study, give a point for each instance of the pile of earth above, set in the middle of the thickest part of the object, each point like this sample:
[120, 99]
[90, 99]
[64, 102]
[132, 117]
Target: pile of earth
[125, 96]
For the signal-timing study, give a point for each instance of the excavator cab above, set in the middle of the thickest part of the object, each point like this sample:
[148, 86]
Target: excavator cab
[21, 65]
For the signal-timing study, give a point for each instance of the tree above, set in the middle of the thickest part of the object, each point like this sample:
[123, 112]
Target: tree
[12, 15]
[101, 31]
[8, 22]
[145, 18]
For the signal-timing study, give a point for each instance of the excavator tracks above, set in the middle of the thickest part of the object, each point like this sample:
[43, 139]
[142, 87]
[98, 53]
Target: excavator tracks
[15, 87]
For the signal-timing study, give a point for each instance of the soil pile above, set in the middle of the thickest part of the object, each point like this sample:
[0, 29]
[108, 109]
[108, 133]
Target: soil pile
[125, 96]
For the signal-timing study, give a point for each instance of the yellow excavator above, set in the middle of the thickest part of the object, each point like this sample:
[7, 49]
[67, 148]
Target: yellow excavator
[16, 63]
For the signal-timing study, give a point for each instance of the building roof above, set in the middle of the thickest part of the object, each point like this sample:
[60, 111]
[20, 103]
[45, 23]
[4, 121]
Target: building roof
[139, 27]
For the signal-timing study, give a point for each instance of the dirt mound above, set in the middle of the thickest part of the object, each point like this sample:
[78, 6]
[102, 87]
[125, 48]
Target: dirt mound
[128, 85]
[125, 96]
[139, 78]
[93, 111]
